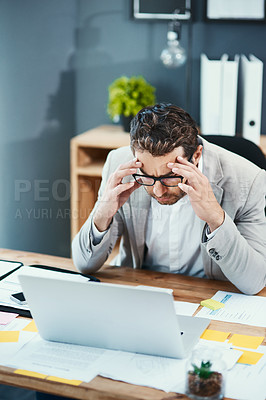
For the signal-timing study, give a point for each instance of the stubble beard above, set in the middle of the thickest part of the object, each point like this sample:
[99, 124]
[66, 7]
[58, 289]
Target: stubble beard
[172, 199]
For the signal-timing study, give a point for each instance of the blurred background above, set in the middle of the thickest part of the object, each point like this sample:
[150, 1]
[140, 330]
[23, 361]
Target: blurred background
[58, 58]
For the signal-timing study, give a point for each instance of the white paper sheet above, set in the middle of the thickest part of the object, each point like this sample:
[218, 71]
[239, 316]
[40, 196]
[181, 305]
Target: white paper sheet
[139, 369]
[8, 350]
[238, 308]
[62, 360]
[185, 308]
[181, 307]
[6, 267]
[247, 382]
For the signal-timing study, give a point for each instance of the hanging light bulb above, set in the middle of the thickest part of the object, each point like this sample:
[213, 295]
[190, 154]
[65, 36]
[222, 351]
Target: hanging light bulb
[173, 56]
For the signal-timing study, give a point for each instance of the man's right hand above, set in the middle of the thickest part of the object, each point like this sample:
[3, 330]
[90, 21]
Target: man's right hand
[116, 194]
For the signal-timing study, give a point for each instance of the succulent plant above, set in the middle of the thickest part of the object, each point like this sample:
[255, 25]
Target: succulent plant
[204, 371]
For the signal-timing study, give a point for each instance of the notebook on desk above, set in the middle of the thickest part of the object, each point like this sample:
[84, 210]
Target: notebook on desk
[107, 315]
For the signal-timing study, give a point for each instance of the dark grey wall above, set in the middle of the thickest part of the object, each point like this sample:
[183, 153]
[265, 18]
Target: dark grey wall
[36, 123]
[110, 43]
[57, 59]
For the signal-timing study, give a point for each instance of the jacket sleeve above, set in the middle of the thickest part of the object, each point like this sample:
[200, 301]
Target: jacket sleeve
[87, 256]
[239, 246]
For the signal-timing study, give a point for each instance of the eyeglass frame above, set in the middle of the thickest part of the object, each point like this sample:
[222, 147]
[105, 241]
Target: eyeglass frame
[155, 179]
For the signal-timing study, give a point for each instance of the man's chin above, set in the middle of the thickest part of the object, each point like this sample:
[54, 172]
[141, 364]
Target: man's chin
[168, 201]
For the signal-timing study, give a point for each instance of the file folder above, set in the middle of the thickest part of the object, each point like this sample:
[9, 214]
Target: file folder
[219, 79]
[229, 95]
[251, 97]
[210, 94]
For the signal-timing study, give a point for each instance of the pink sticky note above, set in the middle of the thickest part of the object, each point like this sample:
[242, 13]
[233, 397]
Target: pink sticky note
[6, 317]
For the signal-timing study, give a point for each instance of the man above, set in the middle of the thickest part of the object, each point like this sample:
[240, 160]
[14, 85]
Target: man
[180, 204]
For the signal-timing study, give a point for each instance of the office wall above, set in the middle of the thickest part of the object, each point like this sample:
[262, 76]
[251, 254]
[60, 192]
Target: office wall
[36, 123]
[110, 43]
[57, 58]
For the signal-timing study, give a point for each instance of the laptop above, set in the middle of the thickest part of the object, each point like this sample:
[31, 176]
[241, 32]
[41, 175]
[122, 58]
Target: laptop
[119, 317]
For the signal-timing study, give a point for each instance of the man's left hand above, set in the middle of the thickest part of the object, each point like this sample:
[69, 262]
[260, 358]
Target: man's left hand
[201, 196]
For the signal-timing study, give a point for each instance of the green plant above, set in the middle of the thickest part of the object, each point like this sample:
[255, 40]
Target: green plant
[204, 371]
[128, 95]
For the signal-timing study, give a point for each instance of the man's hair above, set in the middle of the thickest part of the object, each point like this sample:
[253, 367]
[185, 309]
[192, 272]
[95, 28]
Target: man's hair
[161, 128]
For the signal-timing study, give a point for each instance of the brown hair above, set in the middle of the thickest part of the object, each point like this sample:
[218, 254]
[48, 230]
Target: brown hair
[161, 128]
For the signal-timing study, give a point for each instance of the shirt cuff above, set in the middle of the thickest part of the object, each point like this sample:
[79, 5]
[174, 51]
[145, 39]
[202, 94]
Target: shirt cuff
[210, 234]
[97, 235]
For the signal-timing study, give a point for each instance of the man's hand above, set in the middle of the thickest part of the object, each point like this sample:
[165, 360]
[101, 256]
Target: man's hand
[201, 196]
[116, 194]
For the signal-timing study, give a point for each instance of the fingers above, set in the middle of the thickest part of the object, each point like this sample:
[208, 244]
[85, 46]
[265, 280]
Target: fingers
[128, 187]
[189, 171]
[124, 170]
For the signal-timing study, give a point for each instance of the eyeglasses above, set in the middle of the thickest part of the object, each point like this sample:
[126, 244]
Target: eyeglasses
[169, 181]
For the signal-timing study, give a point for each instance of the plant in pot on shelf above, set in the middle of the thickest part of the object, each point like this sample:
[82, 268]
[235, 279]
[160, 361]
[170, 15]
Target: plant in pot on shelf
[127, 96]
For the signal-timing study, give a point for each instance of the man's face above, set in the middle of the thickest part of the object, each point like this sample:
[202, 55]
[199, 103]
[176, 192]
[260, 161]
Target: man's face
[157, 166]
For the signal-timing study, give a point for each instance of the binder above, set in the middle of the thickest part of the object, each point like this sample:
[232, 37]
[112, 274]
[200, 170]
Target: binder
[210, 94]
[229, 95]
[251, 97]
[218, 95]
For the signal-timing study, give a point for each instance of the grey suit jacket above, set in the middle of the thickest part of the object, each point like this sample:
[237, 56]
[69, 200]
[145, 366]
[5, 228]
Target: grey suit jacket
[237, 252]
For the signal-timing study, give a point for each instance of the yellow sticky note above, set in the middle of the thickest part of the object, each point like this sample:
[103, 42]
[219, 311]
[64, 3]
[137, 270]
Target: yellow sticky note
[218, 336]
[9, 336]
[249, 357]
[250, 342]
[212, 304]
[31, 327]
[62, 380]
[30, 373]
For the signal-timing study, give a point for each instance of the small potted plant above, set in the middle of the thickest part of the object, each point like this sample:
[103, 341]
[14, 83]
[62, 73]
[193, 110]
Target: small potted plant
[127, 96]
[205, 378]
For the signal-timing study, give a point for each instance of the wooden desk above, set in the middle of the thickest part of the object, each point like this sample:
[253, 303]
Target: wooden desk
[185, 288]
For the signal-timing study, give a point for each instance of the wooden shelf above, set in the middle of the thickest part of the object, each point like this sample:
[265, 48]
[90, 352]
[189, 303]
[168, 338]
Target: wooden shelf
[88, 154]
[94, 170]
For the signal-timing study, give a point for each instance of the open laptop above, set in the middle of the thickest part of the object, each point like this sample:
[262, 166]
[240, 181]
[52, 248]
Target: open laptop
[74, 310]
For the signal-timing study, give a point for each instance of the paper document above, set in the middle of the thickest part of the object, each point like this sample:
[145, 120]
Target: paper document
[139, 369]
[185, 308]
[238, 308]
[7, 350]
[247, 382]
[6, 267]
[60, 359]
[6, 317]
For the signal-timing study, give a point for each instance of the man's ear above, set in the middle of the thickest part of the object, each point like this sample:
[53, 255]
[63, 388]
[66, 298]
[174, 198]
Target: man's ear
[196, 156]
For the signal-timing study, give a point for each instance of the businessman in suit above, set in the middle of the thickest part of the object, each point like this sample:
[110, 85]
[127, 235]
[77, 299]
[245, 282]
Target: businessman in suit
[180, 204]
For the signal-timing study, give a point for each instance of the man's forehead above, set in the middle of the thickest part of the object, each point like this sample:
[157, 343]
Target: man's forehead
[157, 165]
[146, 155]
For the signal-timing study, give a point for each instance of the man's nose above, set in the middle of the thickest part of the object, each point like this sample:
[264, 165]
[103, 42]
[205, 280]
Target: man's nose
[159, 189]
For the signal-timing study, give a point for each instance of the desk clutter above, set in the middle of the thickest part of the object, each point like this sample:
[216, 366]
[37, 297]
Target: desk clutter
[22, 349]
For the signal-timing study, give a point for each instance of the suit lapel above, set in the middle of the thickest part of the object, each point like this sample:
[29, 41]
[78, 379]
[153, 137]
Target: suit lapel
[212, 169]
